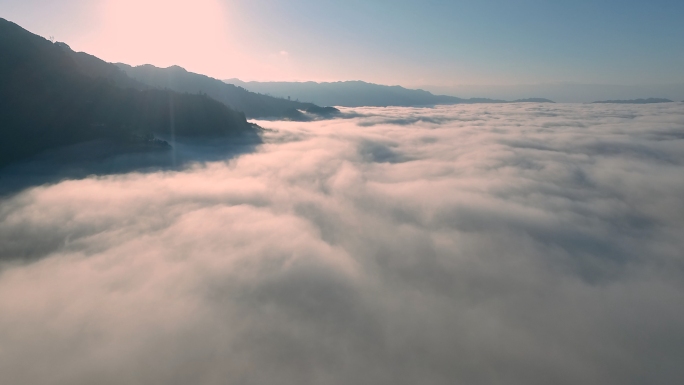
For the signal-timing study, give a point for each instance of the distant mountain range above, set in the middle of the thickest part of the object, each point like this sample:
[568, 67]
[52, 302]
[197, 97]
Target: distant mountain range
[254, 105]
[359, 94]
[52, 97]
[637, 101]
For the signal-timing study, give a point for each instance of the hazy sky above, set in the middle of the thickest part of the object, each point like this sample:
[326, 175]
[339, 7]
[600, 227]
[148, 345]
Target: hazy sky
[443, 43]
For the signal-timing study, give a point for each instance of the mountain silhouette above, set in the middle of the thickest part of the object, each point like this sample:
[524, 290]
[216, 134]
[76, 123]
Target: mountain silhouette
[360, 94]
[51, 96]
[254, 105]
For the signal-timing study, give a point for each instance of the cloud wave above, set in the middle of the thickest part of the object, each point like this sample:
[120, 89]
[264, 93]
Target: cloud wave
[475, 244]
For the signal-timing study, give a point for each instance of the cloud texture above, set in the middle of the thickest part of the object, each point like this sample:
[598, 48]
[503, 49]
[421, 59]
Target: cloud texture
[475, 244]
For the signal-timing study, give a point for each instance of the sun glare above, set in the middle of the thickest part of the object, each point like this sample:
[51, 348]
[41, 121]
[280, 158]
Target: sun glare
[162, 32]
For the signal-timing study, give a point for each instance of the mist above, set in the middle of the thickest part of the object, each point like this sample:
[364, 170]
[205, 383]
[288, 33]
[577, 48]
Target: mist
[565, 92]
[468, 244]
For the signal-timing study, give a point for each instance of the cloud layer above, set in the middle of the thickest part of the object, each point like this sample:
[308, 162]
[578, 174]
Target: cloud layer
[479, 244]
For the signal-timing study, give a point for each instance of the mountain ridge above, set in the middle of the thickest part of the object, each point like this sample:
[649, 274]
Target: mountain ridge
[52, 97]
[358, 93]
[254, 105]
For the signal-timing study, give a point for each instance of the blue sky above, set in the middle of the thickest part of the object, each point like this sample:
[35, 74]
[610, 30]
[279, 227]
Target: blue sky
[435, 42]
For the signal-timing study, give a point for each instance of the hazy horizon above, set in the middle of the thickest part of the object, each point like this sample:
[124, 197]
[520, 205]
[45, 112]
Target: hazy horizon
[563, 92]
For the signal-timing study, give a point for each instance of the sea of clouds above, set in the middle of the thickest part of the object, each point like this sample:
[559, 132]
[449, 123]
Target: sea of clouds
[474, 244]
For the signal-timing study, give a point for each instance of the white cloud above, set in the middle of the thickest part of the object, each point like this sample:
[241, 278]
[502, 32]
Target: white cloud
[521, 244]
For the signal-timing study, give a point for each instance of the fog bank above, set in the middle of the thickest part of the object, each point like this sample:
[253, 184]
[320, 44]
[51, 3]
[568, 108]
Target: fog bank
[468, 244]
